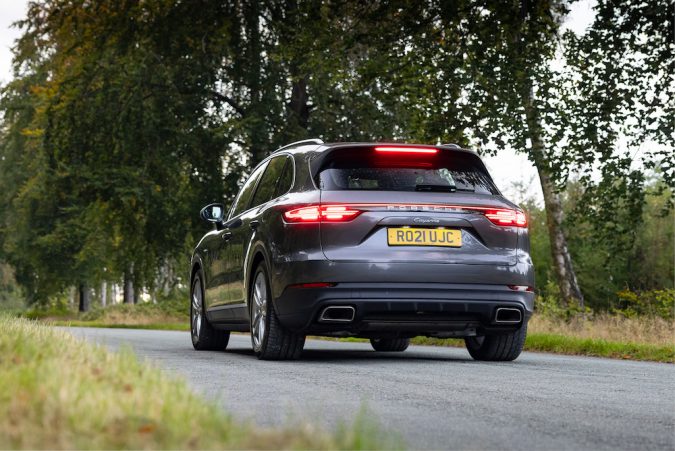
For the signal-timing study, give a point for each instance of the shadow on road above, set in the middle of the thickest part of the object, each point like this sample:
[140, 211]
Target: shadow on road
[346, 356]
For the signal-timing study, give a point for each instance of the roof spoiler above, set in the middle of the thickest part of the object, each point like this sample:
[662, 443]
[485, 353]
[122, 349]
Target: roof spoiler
[321, 158]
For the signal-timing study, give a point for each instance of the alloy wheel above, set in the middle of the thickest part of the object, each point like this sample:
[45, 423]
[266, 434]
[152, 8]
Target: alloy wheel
[196, 311]
[259, 311]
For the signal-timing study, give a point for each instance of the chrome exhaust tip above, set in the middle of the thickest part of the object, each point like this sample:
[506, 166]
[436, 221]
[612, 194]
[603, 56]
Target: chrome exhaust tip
[507, 315]
[338, 314]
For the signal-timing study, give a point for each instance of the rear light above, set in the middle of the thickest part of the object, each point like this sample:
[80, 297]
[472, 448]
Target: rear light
[322, 213]
[403, 150]
[313, 285]
[520, 288]
[305, 214]
[507, 217]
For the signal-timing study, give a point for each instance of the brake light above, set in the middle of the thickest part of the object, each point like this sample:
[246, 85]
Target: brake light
[322, 213]
[507, 217]
[306, 214]
[403, 149]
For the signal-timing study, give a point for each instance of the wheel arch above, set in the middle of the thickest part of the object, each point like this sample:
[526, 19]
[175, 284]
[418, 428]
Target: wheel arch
[196, 269]
[258, 256]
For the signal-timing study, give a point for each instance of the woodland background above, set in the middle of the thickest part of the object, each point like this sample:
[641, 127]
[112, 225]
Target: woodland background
[124, 118]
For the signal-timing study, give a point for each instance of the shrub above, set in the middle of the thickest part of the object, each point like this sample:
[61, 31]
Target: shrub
[659, 303]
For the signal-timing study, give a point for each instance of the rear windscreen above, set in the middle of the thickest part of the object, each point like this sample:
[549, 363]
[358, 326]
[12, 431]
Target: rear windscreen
[444, 172]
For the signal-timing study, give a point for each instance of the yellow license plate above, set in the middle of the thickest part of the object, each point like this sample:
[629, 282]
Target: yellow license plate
[410, 236]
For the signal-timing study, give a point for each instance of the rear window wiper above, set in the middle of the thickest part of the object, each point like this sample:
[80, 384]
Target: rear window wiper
[442, 188]
[436, 188]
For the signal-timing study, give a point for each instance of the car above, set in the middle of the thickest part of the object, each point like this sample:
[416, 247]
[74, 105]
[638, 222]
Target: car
[379, 241]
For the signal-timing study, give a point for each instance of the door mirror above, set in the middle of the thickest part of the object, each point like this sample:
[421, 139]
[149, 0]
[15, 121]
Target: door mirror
[213, 213]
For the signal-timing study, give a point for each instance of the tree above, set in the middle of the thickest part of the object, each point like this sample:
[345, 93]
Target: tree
[621, 115]
[119, 137]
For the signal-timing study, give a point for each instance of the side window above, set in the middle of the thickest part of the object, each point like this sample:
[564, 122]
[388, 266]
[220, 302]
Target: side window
[286, 179]
[244, 196]
[268, 183]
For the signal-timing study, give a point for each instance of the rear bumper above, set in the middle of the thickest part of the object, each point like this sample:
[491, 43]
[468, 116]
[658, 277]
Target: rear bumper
[403, 309]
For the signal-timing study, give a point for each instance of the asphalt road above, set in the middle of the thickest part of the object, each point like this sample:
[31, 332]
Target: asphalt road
[434, 398]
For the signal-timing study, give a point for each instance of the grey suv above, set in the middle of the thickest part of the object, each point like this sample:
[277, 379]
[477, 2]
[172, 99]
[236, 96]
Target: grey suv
[372, 240]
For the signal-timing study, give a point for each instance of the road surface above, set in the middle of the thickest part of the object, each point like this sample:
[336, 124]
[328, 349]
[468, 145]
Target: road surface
[433, 398]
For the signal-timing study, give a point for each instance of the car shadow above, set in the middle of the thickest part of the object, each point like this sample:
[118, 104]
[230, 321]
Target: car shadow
[351, 355]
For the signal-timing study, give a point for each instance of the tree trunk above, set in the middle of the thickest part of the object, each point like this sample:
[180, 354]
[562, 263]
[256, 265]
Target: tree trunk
[113, 293]
[254, 54]
[562, 262]
[299, 110]
[85, 298]
[104, 294]
[128, 288]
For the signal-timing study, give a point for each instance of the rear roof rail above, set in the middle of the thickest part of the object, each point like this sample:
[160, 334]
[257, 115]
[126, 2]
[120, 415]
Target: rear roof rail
[300, 143]
[452, 145]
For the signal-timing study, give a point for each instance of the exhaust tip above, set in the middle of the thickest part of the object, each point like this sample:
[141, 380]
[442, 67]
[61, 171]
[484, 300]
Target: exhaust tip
[508, 315]
[338, 314]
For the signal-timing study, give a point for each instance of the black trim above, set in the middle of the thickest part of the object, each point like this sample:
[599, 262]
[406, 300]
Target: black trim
[230, 313]
[415, 310]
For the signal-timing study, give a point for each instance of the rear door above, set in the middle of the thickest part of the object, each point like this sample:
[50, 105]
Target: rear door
[246, 218]
[415, 207]
[238, 225]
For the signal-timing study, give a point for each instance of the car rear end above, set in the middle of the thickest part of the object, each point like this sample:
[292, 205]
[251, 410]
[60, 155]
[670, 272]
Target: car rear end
[414, 240]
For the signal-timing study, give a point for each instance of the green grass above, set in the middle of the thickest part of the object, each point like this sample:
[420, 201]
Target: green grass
[536, 342]
[642, 338]
[153, 326]
[563, 344]
[58, 392]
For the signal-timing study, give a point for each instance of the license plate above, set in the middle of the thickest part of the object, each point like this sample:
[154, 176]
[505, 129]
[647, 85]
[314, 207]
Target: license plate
[410, 236]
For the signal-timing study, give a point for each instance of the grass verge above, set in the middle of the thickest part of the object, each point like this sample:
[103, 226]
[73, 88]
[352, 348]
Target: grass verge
[602, 335]
[536, 342]
[561, 344]
[57, 392]
[156, 326]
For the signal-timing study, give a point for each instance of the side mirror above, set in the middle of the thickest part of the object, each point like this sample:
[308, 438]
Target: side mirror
[213, 213]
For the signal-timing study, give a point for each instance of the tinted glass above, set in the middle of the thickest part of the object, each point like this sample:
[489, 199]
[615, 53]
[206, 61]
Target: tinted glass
[286, 179]
[269, 180]
[244, 197]
[445, 172]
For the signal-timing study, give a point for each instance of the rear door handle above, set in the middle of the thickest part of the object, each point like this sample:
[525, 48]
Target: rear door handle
[254, 224]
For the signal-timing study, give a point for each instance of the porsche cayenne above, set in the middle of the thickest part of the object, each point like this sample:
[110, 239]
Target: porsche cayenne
[373, 240]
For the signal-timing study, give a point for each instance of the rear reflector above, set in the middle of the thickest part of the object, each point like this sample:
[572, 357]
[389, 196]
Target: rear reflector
[403, 149]
[507, 217]
[313, 285]
[520, 288]
[322, 213]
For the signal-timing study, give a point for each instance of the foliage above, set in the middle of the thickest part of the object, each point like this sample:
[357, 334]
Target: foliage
[548, 304]
[629, 51]
[644, 264]
[117, 140]
[170, 308]
[659, 303]
[125, 117]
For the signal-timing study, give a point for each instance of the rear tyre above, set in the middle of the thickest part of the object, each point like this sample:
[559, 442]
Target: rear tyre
[497, 348]
[204, 336]
[269, 338]
[390, 344]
